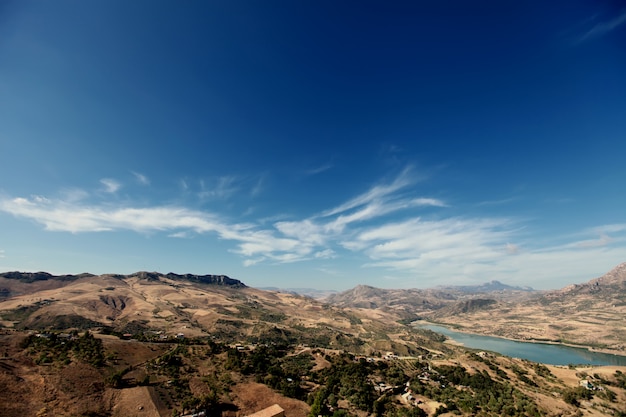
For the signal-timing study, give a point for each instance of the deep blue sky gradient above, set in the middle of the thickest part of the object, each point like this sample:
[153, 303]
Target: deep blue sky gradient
[509, 117]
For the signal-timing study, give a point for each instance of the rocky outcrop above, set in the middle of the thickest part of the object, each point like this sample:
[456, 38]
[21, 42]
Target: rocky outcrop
[40, 276]
[208, 279]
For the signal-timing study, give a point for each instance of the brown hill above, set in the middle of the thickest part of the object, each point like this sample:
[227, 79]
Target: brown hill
[147, 303]
[409, 304]
[589, 314]
[70, 374]
[611, 284]
[405, 303]
[468, 306]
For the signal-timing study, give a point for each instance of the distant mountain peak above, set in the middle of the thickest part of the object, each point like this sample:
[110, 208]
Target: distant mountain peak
[614, 276]
[493, 285]
[612, 283]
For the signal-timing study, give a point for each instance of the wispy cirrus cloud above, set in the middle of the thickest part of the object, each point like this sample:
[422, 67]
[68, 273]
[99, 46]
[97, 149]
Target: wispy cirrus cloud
[74, 194]
[219, 188]
[110, 185]
[259, 186]
[376, 193]
[57, 215]
[141, 178]
[497, 202]
[417, 244]
[387, 226]
[227, 186]
[604, 27]
[60, 216]
[600, 236]
[281, 241]
[318, 170]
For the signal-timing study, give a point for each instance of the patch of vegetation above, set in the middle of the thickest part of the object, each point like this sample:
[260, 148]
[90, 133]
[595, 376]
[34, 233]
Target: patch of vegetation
[607, 394]
[475, 393]
[430, 335]
[354, 320]
[620, 379]
[494, 367]
[346, 379]
[20, 313]
[543, 371]
[135, 327]
[271, 317]
[574, 395]
[522, 374]
[271, 365]
[116, 379]
[409, 320]
[63, 348]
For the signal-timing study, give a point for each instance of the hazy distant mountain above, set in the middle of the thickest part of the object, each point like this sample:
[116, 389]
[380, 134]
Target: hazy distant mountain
[591, 313]
[411, 302]
[307, 292]
[406, 303]
[491, 286]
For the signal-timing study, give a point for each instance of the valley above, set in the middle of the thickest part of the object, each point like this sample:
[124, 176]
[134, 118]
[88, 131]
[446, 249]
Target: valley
[590, 315]
[151, 344]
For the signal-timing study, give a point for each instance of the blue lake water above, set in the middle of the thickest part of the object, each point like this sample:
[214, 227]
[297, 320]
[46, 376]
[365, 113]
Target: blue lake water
[536, 352]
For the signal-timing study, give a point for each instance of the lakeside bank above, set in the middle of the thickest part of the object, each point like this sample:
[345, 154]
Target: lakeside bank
[548, 352]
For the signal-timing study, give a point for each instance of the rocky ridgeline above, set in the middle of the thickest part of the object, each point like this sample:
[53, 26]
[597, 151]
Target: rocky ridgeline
[223, 280]
[613, 283]
[41, 276]
[208, 279]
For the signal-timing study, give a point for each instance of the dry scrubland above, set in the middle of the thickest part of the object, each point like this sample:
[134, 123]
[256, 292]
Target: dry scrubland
[155, 345]
[591, 314]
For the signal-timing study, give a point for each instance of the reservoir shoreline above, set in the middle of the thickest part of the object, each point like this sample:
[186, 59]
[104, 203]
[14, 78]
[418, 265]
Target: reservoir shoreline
[482, 341]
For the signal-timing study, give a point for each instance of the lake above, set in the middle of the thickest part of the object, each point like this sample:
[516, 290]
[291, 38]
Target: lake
[536, 352]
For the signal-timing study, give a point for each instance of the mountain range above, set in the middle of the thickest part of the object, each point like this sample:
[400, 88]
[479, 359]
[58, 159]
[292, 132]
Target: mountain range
[588, 314]
[212, 340]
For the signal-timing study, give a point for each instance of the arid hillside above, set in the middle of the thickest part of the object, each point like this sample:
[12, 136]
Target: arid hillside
[161, 345]
[411, 303]
[170, 305]
[590, 314]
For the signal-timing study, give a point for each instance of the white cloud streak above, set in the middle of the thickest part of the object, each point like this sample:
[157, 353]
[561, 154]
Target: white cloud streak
[110, 185]
[141, 179]
[219, 188]
[386, 225]
[259, 185]
[376, 193]
[226, 186]
[318, 170]
[282, 241]
[602, 28]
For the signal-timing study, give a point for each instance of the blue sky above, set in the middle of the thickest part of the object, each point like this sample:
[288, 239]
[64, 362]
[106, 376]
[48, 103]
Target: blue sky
[315, 144]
